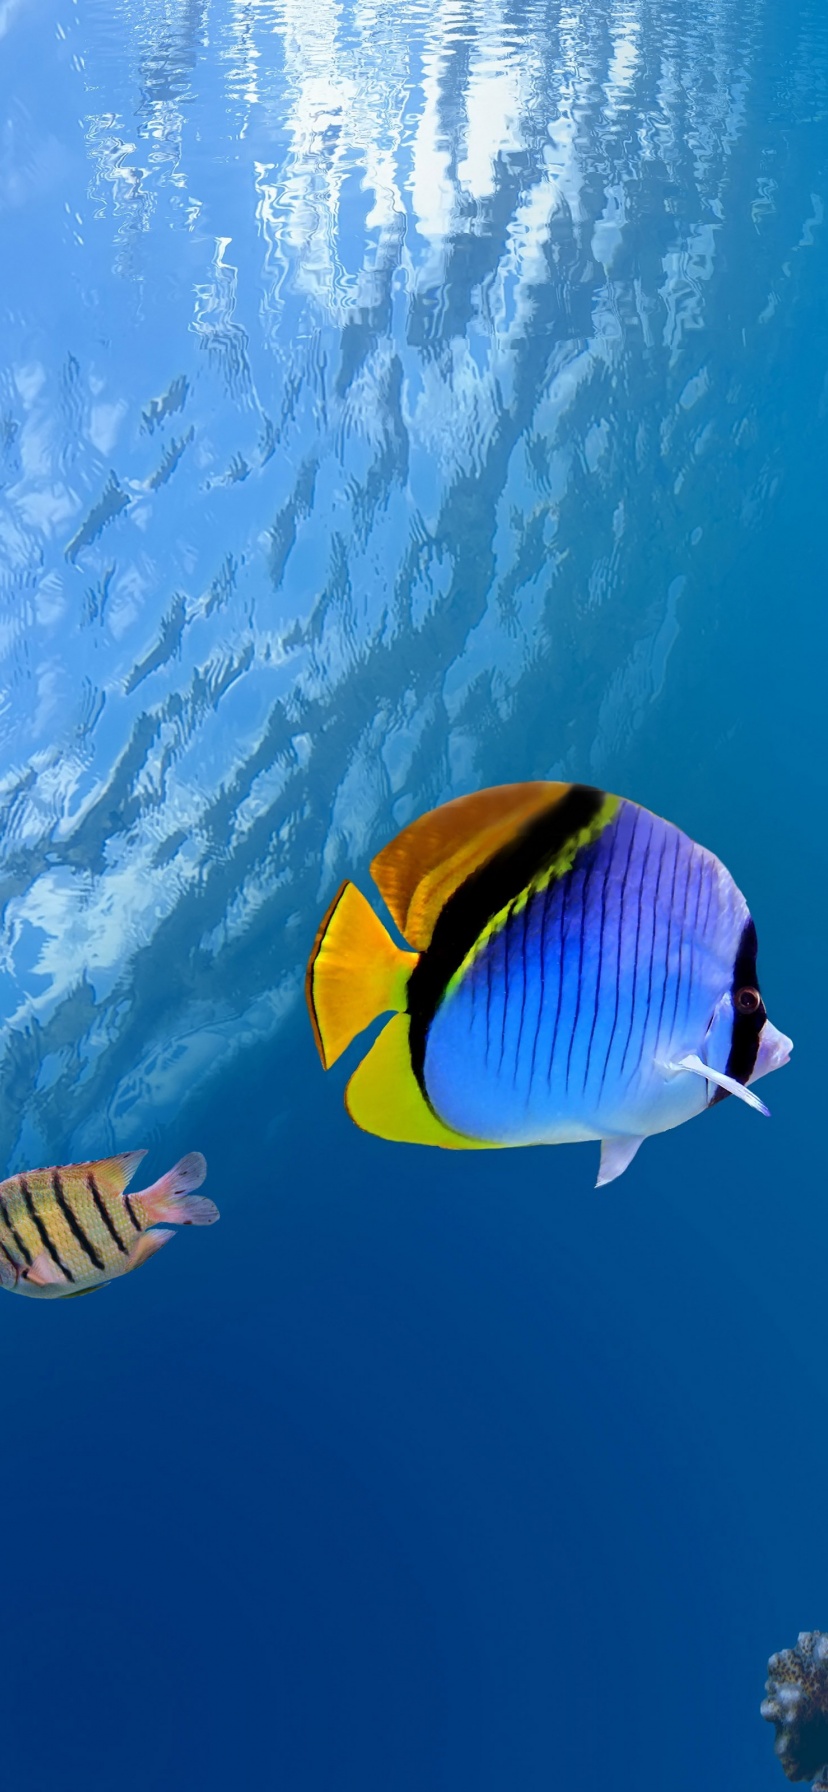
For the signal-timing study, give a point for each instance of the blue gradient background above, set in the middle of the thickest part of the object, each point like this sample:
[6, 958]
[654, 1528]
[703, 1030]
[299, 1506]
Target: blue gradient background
[493, 340]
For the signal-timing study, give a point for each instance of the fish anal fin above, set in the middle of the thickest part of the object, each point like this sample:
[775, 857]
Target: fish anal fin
[147, 1245]
[355, 973]
[44, 1272]
[418, 871]
[384, 1097]
[616, 1156]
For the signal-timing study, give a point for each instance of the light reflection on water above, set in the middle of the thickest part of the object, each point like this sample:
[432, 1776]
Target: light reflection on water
[381, 387]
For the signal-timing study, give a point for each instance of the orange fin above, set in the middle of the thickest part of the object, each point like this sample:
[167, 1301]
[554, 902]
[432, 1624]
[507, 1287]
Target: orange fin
[384, 1097]
[171, 1197]
[147, 1245]
[355, 973]
[44, 1272]
[418, 871]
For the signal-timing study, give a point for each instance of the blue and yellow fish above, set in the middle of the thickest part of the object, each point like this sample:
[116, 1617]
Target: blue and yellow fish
[581, 970]
[72, 1228]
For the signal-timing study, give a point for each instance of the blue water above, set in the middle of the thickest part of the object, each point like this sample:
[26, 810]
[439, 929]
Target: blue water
[395, 400]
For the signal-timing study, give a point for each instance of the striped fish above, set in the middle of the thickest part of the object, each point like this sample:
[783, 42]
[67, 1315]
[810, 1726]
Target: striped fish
[70, 1230]
[581, 970]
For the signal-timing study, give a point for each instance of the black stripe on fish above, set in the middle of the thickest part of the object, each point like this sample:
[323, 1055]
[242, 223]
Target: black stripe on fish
[486, 892]
[670, 913]
[41, 1227]
[488, 1002]
[132, 1214]
[25, 1254]
[105, 1214]
[697, 859]
[619, 947]
[75, 1226]
[641, 883]
[744, 1039]
[9, 1258]
[579, 987]
[651, 959]
[524, 972]
[558, 1005]
[601, 932]
[683, 913]
[542, 960]
[504, 940]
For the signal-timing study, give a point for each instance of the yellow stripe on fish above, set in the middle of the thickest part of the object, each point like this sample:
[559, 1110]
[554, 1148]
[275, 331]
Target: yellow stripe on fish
[558, 867]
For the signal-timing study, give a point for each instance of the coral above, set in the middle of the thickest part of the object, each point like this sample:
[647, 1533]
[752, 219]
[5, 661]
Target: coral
[797, 1704]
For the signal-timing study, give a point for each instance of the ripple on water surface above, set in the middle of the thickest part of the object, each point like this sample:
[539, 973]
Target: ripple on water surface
[381, 389]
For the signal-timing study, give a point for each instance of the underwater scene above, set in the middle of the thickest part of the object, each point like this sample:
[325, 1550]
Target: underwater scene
[399, 403]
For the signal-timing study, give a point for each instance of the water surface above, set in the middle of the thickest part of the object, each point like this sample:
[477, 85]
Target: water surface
[395, 400]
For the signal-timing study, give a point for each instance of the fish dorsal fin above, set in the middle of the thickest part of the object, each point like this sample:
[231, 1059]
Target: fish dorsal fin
[114, 1174]
[418, 871]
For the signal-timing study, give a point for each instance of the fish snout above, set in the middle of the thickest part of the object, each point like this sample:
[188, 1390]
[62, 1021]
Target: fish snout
[774, 1050]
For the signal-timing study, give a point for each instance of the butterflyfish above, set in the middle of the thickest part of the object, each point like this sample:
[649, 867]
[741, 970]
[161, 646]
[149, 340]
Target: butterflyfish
[67, 1231]
[578, 969]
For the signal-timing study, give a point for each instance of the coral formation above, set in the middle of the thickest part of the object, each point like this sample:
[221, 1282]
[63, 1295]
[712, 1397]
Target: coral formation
[797, 1704]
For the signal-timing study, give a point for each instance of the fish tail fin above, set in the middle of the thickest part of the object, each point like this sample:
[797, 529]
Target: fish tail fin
[355, 973]
[171, 1197]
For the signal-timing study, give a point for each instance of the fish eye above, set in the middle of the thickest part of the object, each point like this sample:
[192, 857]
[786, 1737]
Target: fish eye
[747, 1001]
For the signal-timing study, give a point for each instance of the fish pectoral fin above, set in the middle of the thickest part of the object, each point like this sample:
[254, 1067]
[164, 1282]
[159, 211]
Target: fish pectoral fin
[44, 1272]
[694, 1063]
[616, 1156]
[147, 1245]
[384, 1096]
